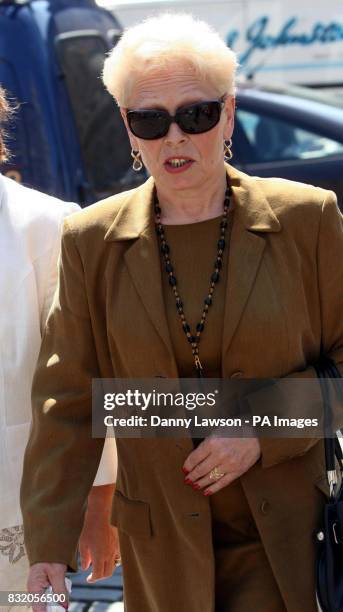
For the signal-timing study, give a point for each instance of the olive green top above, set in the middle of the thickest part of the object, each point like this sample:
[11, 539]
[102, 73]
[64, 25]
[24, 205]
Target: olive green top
[193, 251]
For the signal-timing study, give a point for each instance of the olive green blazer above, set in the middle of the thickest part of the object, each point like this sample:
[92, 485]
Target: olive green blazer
[284, 298]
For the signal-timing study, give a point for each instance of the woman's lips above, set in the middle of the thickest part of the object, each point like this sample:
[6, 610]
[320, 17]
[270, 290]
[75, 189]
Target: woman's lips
[176, 168]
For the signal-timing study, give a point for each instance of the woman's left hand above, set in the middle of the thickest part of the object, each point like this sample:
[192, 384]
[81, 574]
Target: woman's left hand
[231, 457]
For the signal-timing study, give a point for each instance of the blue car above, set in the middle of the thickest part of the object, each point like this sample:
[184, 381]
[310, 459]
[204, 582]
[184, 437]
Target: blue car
[290, 132]
[68, 138]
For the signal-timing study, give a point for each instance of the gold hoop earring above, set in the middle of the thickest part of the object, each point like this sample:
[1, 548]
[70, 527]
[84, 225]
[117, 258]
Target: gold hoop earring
[227, 150]
[137, 164]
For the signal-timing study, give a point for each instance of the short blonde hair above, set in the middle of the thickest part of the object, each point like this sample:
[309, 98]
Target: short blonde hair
[160, 43]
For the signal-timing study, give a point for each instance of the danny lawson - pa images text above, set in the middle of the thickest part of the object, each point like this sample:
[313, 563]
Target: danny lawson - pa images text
[195, 421]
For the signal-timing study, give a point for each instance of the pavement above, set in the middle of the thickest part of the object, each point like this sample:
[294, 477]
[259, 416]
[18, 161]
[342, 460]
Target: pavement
[105, 595]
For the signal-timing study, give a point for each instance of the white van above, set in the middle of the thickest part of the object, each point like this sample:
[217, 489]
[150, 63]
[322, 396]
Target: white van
[300, 41]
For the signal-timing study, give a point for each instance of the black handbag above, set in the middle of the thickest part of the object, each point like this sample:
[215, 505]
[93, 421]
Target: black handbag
[329, 566]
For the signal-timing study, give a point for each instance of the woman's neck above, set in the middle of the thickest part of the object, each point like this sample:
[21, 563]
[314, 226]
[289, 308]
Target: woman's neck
[193, 205]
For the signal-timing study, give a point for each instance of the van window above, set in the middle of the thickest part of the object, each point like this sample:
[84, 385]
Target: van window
[103, 140]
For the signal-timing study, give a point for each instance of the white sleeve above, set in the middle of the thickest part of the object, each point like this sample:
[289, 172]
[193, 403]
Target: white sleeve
[107, 470]
[51, 280]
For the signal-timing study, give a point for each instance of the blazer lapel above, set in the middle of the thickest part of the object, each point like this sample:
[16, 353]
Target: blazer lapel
[253, 220]
[143, 262]
[135, 223]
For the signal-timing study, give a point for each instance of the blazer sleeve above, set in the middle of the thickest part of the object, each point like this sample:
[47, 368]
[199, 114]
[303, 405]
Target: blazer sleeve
[61, 457]
[107, 470]
[330, 287]
[50, 268]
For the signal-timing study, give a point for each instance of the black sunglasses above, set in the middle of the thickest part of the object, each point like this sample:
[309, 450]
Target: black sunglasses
[197, 118]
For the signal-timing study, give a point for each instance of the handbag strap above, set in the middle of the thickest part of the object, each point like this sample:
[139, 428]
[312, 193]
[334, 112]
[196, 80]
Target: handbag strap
[327, 369]
[337, 381]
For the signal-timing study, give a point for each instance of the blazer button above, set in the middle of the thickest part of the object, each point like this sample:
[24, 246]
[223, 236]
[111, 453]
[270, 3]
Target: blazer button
[264, 507]
[237, 374]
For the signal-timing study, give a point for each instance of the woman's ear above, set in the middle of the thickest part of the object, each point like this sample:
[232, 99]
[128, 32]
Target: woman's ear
[230, 105]
[132, 138]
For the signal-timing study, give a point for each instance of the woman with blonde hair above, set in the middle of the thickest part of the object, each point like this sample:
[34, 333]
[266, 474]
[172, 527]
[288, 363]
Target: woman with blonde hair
[202, 271]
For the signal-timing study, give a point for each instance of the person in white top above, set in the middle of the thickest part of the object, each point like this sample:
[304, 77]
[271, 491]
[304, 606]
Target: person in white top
[30, 229]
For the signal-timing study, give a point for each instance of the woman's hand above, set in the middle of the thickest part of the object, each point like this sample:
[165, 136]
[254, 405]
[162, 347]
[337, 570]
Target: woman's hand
[99, 544]
[231, 456]
[42, 575]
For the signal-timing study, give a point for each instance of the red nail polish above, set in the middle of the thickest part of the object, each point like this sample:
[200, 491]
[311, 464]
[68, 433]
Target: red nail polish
[196, 486]
[188, 481]
[185, 471]
[207, 493]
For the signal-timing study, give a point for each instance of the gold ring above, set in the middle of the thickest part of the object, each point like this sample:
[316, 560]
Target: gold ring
[216, 474]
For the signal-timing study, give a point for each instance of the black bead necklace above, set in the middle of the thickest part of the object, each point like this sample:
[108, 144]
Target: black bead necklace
[194, 338]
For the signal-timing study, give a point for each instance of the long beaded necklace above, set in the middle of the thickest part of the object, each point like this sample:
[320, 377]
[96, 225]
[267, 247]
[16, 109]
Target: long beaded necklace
[194, 338]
